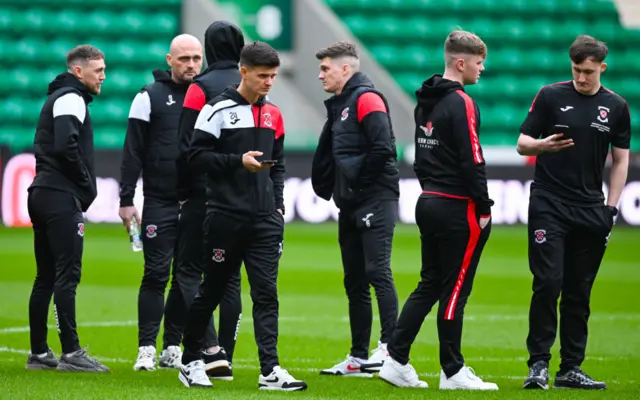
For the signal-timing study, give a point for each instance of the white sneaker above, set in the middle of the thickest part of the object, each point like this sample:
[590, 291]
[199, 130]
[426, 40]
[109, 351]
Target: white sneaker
[170, 357]
[401, 375]
[349, 367]
[465, 379]
[146, 360]
[378, 356]
[280, 379]
[193, 375]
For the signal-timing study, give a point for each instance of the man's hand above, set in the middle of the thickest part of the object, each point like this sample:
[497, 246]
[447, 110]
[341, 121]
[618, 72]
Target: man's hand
[250, 163]
[554, 143]
[126, 213]
[484, 221]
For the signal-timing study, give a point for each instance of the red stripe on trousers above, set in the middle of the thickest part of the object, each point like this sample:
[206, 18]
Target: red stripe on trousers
[474, 235]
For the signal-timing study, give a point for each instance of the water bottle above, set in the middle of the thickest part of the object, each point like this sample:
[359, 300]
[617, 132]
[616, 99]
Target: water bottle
[134, 235]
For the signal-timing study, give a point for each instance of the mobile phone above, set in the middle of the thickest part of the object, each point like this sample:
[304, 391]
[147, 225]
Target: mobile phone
[269, 162]
[564, 129]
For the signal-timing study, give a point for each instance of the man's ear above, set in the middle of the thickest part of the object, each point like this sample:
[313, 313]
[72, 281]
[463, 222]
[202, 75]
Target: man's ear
[243, 71]
[76, 70]
[603, 67]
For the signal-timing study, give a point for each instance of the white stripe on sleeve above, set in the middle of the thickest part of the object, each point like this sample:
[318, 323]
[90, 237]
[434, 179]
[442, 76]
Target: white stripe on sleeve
[70, 104]
[209, 121]
[141, 107]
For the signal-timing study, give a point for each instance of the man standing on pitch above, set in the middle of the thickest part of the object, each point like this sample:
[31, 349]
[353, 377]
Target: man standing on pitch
[570, 127]
[245, 208]
[151, 148]
[64, 187]
[223, 43]
[355, 163]
[453, 214]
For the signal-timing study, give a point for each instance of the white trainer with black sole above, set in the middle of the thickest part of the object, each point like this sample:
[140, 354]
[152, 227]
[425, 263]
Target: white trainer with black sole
[193, 375]
[350, 367]
[280, 379]
[378, 356]
[146, 360]
[170, 358]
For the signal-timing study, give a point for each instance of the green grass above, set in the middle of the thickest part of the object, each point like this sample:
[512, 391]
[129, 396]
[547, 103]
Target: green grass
[314, 331]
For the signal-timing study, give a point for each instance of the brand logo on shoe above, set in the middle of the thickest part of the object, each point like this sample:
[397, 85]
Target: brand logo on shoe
[351, 367]
[273, 380]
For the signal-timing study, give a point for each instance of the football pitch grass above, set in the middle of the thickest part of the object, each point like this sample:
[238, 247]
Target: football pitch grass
[314, 329]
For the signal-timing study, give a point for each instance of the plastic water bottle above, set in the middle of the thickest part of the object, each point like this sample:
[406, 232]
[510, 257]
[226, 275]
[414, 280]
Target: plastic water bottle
[134, 235]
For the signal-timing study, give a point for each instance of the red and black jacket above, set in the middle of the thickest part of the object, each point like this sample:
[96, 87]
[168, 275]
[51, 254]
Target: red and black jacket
[448, 156]
[227, 127]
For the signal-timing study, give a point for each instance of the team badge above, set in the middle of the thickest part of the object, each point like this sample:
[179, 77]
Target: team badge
[218, 255]
[152, 231]
[603, 115]
[267, 119]
[81, 229]
[540, 235]
[345, 114]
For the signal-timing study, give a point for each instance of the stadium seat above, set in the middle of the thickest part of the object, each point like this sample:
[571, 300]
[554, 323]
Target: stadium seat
[528, 47]
[36, 36]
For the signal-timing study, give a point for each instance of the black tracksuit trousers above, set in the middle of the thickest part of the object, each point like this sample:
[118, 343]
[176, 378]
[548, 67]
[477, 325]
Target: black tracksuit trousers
[158, 234]
[58, 229]
[566, 247]
[452, 243]
[228, 242]
[188, 269]
[366, 235]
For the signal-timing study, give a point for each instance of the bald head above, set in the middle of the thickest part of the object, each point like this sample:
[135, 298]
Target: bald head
[185, 58]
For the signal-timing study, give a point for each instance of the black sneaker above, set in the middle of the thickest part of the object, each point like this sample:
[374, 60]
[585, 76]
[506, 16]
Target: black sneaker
[576, 378]
[41, 362]
[217, 365]
[538, 376]
[80, 361]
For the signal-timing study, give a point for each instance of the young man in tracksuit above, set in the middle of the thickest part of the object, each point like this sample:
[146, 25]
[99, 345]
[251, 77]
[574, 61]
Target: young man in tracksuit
[64, 187]
[453, 215]
[355, 163]
[245, 208]
[570, 127]
[150, 148]
[223, 43]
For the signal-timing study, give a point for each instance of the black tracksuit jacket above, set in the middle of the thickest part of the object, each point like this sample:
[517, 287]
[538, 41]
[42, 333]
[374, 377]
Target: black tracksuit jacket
[448, 158]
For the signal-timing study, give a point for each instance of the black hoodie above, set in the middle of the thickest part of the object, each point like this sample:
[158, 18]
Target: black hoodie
[63, 142]
[151, 142]
[223, 43]
[448, 158]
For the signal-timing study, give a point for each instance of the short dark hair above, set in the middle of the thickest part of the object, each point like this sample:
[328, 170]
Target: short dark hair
[585, 47]
[259, 54]
[463, 42]
[83, 54]
[339, 49]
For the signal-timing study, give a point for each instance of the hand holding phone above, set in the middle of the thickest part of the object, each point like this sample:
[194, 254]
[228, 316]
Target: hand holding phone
[272, 162]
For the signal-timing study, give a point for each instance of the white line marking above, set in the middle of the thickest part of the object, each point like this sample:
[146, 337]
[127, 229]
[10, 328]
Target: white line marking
[467, 318]
[21, 329]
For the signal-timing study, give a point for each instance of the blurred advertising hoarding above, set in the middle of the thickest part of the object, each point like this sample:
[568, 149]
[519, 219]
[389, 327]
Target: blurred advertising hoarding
[508, 187]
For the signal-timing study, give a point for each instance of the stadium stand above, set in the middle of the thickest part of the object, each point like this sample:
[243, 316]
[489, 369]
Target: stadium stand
[133, 34]
[528, 47]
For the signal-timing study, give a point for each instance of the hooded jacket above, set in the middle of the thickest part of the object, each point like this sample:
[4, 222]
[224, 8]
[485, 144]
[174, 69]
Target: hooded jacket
[227, 127]
[223, 43]
[448, 156]
[356, 159]
[151, 142]
[63, 142]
